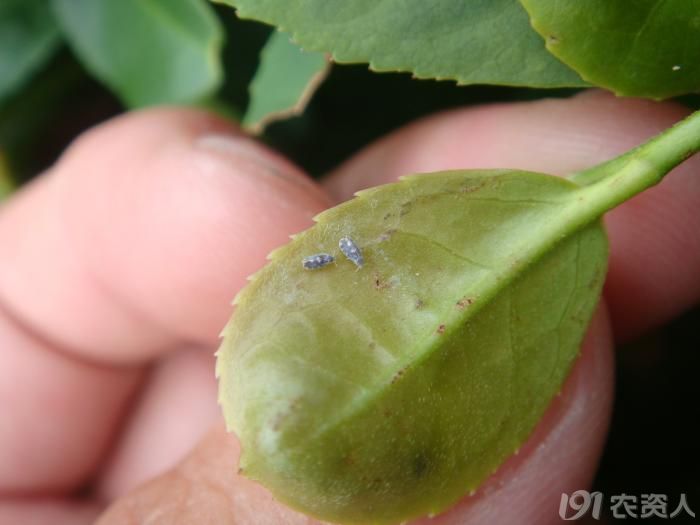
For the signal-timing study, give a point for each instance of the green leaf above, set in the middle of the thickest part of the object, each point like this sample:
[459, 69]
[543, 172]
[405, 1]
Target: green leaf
[147, 51]
[470, 41]
[388, 392]
[284, 82]
[645, 48]
[28, 37]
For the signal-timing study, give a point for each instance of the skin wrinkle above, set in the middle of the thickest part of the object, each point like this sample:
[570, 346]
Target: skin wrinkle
[234, 152]
[211, 226]
[139, 315]
[182, 383]
[42, 340]
[46, 190]
[78, 384]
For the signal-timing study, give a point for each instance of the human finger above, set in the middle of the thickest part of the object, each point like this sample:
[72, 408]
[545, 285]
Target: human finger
[140, 237]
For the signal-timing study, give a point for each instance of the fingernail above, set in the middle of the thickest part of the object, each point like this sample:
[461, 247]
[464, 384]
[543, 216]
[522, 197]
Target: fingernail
[246, 154]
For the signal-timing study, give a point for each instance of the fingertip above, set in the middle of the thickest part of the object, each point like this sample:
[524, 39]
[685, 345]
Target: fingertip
[152, 222]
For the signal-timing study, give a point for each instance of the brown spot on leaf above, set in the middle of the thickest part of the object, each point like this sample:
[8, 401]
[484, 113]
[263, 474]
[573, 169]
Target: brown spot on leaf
[419, 304]
[441, 329]
[464, 302]
[387, 235]
[278, 421]
[420, 465]
[379, 283]
[593, 283]
[472, 187]
[398, 375]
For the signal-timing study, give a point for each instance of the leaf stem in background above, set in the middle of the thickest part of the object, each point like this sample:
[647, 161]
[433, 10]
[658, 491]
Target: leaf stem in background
[620, 179]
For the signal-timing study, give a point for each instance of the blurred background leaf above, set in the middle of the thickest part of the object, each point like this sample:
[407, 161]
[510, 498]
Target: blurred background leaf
[147, 51]
[37, 123]
[286, 78]
[645, 48]
[470, 41]
[28, 37]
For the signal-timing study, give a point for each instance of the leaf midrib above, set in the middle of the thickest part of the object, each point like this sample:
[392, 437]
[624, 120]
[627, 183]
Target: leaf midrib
[577, 215]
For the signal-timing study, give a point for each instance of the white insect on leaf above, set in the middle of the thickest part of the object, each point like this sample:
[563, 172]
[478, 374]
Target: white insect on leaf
[319, 260]
[351, 251]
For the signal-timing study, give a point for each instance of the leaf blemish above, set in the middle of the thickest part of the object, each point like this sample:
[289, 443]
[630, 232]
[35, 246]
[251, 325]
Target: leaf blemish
[420, 465]
[464, 302]
[387, 235]
[379, 283]
[398, 375]
[440, 329]
[472, 188]
[419, 304]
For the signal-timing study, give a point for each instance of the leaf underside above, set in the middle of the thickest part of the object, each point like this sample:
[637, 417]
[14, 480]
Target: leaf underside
[470, 41]
[284, 82]
[147, 51]
[645, 48]
[386, 393]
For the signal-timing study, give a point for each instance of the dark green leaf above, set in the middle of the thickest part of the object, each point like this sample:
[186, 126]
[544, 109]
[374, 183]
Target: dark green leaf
[470, 41]
[385, 393]
[146, 51]
[284, 82]
[645, 48]
[28, 37]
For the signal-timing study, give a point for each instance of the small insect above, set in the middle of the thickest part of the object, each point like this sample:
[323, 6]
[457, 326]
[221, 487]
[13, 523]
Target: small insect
[351, 251]
[319, 260]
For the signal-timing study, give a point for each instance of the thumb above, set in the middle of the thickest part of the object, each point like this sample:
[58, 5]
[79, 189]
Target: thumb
[560, 455]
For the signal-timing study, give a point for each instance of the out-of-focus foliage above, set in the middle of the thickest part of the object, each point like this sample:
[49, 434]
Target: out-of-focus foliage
[643, 48]
[28, 37]
[147, 51]
[470, 41]
[284, 82]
